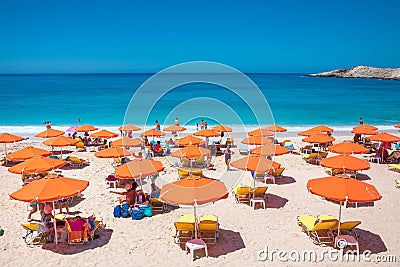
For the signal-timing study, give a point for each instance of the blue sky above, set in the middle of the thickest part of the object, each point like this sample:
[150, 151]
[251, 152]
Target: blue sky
[147, 36]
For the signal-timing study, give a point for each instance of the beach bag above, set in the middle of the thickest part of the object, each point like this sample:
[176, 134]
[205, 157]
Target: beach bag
[147, 210]
[125, 210]
[137, 214]
[117, 211]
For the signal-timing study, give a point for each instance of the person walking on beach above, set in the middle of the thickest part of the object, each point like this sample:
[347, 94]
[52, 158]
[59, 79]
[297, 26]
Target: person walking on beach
[176, 122]
[361, 121]
[158, 127]
[228, 155]
[202, 125]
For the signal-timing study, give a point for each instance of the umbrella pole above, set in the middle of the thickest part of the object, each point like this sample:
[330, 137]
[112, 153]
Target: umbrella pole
[340, 214]
[195, 219]
[54, 220]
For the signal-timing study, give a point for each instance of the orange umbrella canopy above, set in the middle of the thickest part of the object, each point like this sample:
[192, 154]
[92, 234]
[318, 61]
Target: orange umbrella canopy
[255, 163]
[50, 188]
[193, 191]
[270, 149]
[222, 128]
[318, 139]
[309, 133]
[128, 127]
[175, 128]
[260, 132]
[86, 128]
[342, 188]
[125, 141]
[322, 128]
[366, 131]
[191, 152]
[37, 165]
[138, 168]
[276, 128]
[189, 140]
[50, 133]
[104, 134]
[60, 141]
[153, 132]
[113, 152]
[207, 133]
[365, 126]
[256, 140]
[27, 153]
[10, 138]
[384, 137]
[345, 162]
[348, 148]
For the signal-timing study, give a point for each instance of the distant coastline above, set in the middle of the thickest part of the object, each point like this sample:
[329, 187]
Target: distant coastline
[362, 72]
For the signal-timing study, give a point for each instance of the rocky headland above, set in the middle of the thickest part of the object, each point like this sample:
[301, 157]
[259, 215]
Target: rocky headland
[362, 72]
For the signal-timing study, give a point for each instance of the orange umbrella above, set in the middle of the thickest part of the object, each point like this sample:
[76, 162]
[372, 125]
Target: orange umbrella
[256, 140]
[125, 141]
[153, 132]
[348, 148]
[345, 162]
[366, 131]
[207, 133]
[175, 128]
[37, 165]
[86, 128]
[255, 163]
[322, 128]
[384, 137]
[50, 188]
[60, 141]
[189, 140]
[193, 191]
[318, 139]
[191, 152]
[113, 152]
[221, 128]
[50, 133]
[365, 126]
[344, 189]
[397, 126]
[128, 128]
[9, 138]
[260, 132]
[276, 128]
[27, 153]
[138, 168]
[104, 134]
[270, 149]
[309, 133]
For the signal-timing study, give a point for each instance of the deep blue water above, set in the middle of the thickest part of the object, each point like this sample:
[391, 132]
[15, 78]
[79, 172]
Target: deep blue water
[102, 99]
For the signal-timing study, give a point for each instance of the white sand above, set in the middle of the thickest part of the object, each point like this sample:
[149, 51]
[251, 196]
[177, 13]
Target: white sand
[244, 231]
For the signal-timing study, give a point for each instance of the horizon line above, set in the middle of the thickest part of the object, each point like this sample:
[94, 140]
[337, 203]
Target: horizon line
[109, 73]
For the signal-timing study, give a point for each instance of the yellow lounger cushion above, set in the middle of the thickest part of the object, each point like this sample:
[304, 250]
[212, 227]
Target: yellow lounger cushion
[209, 218]
[324, 217]
[307, 220]
[188, 218]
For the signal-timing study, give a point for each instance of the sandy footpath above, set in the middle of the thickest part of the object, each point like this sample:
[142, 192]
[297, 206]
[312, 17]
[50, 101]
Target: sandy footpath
[243, 231]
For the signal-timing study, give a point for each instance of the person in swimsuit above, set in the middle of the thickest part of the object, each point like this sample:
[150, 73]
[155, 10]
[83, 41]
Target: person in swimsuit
[228, 155]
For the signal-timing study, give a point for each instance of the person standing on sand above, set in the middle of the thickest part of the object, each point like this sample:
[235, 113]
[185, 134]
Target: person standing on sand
[158, 126]
[176, 122]
[228, 156]
[202, 125]
[361, 121]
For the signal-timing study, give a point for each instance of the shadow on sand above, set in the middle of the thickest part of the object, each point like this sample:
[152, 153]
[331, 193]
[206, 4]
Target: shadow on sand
[228, 242]
[285, 180]
[63, 248]
[275, 202]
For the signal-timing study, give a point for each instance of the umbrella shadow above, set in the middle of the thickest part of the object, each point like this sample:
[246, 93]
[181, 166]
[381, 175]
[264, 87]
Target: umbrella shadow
[285, 180]
[229, 241]
[275, 202]
[362, 177]
[64, 152]
[370, 241]
[101, 239]
[74, 167]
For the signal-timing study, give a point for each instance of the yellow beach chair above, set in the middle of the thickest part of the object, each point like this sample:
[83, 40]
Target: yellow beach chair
[319, 231]
[242, 194]
[260, 191]
[348, 227]
[184, 231]
[208, 232]
[394, 167]
[397, 183]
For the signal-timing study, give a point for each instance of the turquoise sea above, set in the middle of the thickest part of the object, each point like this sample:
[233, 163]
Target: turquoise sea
[296, 101]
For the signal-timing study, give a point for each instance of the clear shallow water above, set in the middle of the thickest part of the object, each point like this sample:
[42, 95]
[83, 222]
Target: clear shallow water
[296, 101]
